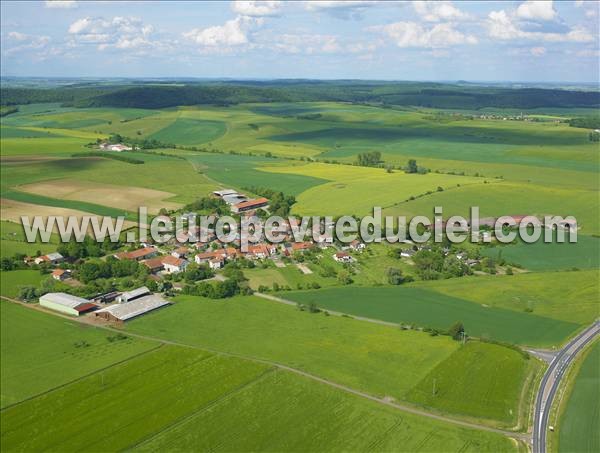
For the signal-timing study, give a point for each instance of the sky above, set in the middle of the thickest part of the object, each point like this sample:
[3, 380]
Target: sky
[529, 41]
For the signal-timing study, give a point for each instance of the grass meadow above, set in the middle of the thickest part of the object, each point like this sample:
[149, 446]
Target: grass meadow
[41, 352]
[579, 422]
[210, 397]
[381, 360]
[425, 308]
[284, 412]
[13, 280]
[565, 296]
[444, 388]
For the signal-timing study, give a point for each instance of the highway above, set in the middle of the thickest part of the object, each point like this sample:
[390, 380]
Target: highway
[551, 381]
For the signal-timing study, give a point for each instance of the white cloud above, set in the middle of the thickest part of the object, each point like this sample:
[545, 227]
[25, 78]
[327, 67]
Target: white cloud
[538, 51]
[318, 44]
[80, 25]
[412, 34]
[233, 33]
[124, 33]
[256, 8]
[61, 4]
[343, 9]
[536, 10]
[24, 42]
[588, 53]
[502, 26]
[439, 11]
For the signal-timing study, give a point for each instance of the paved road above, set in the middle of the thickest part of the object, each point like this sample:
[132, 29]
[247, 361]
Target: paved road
[551, 381]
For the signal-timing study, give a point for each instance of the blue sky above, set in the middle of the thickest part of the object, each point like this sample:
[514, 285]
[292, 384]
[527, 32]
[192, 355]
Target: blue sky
[479, 41]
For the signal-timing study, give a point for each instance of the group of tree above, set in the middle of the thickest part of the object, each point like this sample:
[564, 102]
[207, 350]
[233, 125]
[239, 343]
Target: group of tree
[208, 205]
[369, 159]
[110, 268]
[236, 283]
[88, 247]
[412, 167]
[434, 264]
[279, 203]
[586, 122]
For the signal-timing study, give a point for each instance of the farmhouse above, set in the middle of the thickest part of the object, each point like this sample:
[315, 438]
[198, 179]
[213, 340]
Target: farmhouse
[216, 263]
[52, 258]
[357, 245]
[301, 246]
[139, 306]
[66, 303]
[174, 265]
[249, 205]
[61, 274]
[261, 251]
[343, 257]
[180, 252]
[138, 255]
[154, 264]
[133, 294]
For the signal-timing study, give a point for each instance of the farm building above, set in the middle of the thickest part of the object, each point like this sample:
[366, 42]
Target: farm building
[180, 252]
[106, 298]
[66, 303]
[133, 294]
[249, 205]
[234, 198]
[154, 264]
[357, 245]
[216, 263]
[61, 274]
[174, 265]
[139, 254]
[130, 310]
[118, 147]
[343, 257]
[52, 258]
[224, 192]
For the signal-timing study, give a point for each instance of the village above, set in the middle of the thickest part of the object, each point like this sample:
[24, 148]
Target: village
[215, 268]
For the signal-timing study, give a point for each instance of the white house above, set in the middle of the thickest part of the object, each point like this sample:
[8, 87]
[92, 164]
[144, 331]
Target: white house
[174, 265]
[343, 257]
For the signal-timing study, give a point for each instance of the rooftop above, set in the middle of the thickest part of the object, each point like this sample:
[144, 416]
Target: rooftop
[135, 308]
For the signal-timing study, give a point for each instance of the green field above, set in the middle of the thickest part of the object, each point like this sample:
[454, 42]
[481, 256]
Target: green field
[579, 422]
[426, 308]
[541, 256]
[381, 360]
[444, 388]
[188, 131]
[209, 397]
[344, 350]
[566, 296]
[12, 241]
[41, 352]
[12, 280]
[284, 412]
[251, 171]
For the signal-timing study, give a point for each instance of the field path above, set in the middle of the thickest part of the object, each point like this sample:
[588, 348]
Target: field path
[384, 401]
